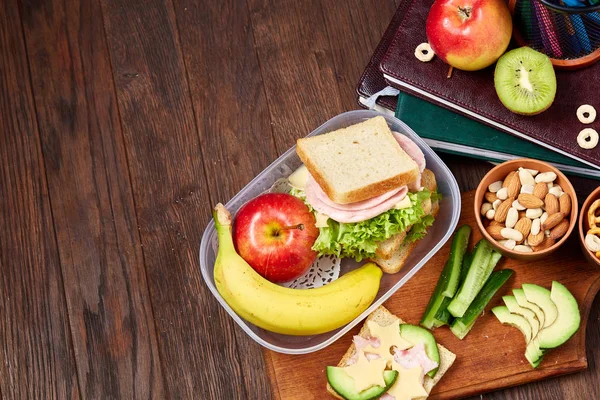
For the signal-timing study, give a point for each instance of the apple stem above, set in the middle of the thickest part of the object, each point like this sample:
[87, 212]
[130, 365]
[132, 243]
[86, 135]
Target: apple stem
[450, 72]
[299, 226]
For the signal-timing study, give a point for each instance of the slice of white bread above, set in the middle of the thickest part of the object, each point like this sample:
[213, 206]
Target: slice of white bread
[392, 254]
[388, 247]
[383, 317]
[357, 163]
[395, 263]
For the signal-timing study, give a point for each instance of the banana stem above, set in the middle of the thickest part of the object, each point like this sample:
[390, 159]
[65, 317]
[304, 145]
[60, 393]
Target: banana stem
[221, 215]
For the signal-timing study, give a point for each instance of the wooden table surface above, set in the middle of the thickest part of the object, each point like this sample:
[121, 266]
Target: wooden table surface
[121, 123]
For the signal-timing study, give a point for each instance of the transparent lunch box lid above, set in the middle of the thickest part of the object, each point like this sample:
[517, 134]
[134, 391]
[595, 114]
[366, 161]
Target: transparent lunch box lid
[437, 235]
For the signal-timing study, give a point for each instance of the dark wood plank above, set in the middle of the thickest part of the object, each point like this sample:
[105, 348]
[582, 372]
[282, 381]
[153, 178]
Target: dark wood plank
[198, 346]
[105, 285]
[36, 355]
[232, 116]
[297, 66]
[354, 29]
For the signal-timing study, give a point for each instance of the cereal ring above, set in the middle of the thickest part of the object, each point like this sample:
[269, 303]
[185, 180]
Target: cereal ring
[586, 109]
[424, 53]
[587, 138]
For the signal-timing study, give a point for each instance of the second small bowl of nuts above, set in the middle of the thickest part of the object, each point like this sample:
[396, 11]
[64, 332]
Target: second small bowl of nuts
[526, 208]
[589, 227]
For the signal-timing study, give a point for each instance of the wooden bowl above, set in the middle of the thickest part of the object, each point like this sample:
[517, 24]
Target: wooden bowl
[500, 172]
[584, 226]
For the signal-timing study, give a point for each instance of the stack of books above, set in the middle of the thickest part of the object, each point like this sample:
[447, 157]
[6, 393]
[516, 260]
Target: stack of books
[462, 114]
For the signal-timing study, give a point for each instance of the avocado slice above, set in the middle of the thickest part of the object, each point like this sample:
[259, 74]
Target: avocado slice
[566, 323]
[533, 345]
[514, 320]
[515, 308]
[522, 301]
[541, 297]
[533, 353]
[343, 384]
[415, 335]
[532, 356]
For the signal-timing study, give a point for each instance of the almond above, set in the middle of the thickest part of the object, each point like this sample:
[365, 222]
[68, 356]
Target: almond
[546, 243]
[494, 231]
[565, 204]
[514, 186]
[526, 178]
[530, 201]
[552, 205]
[508, 178]
[522, 214]
[490, 197]
[552, 221]
[502, 210]
[524, 226]
[540, 190]
[496, 223]
[535, 240]
[559, 230]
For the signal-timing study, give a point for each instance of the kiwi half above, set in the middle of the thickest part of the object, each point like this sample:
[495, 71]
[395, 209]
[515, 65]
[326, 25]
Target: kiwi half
[525, 81]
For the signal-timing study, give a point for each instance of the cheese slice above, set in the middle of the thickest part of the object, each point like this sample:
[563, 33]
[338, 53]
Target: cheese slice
[388, 336]
[366, 373]
[409, 384]
[299, 177]
[321, 220]
[404, 203]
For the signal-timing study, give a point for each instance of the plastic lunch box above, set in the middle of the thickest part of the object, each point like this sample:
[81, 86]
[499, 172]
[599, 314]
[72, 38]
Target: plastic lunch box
[438, 234]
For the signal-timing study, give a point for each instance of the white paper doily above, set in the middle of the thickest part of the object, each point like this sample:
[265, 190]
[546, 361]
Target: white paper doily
[324, 270]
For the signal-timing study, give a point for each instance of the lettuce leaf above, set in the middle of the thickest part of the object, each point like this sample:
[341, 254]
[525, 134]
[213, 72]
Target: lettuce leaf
[360, 240]
[419, 229]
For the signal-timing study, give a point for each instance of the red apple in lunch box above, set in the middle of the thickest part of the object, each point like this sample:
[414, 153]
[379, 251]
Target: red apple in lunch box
[469, 34]
[274, 233]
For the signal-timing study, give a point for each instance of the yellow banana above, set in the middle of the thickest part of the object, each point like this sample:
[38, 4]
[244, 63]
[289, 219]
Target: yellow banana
[283, 310]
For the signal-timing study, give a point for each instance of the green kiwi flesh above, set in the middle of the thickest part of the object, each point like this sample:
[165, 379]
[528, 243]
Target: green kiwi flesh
[525, 81]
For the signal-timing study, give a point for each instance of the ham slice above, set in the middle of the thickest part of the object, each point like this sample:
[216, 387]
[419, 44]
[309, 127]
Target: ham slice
[358, 206]
[415, 357]
[361, 343]
[341, 214]
[415, 153]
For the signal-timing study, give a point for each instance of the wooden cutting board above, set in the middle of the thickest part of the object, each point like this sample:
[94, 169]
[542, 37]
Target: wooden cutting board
[491, 357]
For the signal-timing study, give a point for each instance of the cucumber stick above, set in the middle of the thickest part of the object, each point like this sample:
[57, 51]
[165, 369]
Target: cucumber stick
[457, 252]
[436, 314]
[428, 321]
[482, 265]
[461, 326]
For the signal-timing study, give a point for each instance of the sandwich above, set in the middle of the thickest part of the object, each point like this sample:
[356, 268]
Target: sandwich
[370, 190]
[369, 370]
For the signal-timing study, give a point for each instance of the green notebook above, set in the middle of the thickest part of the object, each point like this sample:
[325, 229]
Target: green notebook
[449, 132]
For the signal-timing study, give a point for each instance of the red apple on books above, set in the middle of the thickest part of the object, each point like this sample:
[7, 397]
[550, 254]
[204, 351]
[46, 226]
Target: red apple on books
[469, 34]
[274, 233]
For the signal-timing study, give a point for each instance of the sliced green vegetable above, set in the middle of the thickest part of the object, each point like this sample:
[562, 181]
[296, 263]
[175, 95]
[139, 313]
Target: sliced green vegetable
[467, 259]
[484, 261]
[457, 252]
[435, 301]
[343, 384]
[415, 335]
[461, 326]
[443, 316]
